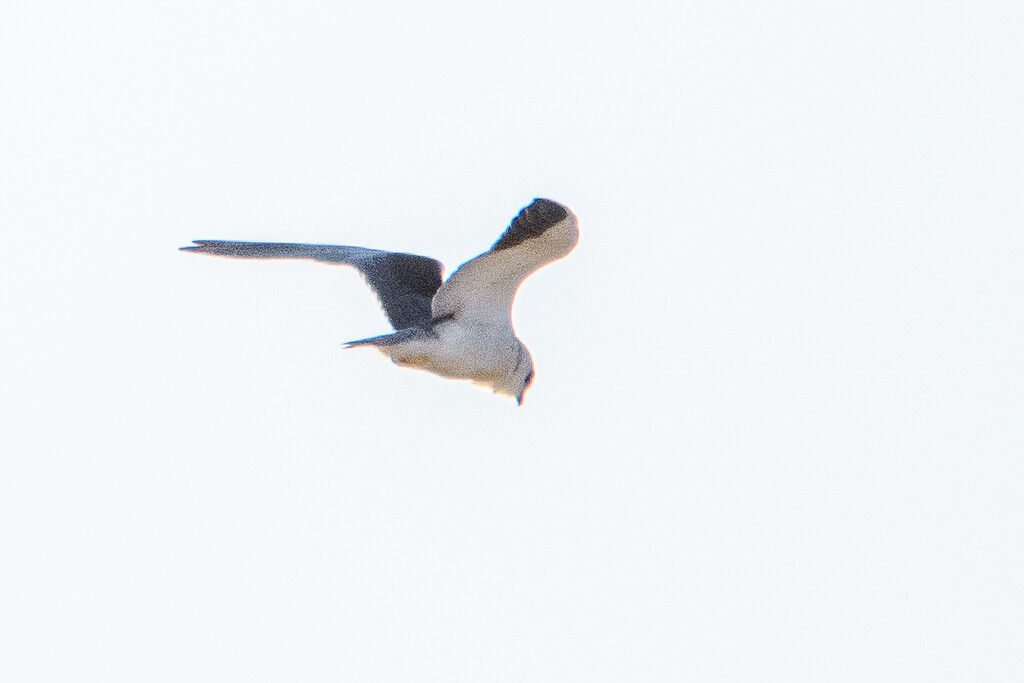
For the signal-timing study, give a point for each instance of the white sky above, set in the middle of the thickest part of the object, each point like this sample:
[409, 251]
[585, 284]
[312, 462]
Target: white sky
[776, 432]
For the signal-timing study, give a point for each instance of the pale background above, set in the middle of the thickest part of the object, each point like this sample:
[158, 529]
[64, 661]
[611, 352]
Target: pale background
[776, 432]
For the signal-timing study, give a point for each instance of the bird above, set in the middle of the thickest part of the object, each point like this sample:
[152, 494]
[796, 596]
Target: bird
[460, 328]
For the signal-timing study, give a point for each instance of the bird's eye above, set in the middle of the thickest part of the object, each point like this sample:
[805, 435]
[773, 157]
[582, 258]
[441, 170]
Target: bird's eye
[529, 378]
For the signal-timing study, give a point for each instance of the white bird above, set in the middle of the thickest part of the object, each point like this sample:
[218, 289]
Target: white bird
[461, 329]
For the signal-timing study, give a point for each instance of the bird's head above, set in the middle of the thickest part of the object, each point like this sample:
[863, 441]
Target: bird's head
[521, 376]
[517, 378]
[527, 381]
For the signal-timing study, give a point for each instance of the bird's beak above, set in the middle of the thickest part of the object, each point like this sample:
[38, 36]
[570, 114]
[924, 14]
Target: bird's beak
[519, 399]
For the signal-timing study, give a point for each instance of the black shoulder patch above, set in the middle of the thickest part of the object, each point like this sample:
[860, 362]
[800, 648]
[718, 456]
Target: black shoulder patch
[531, 222]
[405, 284]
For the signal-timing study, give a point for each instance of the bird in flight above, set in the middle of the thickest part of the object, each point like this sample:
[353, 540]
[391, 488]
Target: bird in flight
[461, 329]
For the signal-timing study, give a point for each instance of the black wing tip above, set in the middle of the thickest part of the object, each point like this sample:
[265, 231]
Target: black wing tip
[545, 202]
[532, 221]
[541, 210]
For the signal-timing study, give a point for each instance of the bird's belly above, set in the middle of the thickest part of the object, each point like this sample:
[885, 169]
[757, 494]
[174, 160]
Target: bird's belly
[457, 353]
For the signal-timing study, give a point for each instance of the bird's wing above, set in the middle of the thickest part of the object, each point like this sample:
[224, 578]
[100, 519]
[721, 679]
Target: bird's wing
[482, 289]
[404, 283]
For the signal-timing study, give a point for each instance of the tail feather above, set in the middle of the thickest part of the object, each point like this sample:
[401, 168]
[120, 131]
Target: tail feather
[392, 339]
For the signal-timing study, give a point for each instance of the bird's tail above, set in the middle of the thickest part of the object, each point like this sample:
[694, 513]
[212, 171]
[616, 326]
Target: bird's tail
[392, 339]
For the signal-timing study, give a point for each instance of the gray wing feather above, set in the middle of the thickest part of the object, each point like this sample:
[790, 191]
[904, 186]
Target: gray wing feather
[404, 283]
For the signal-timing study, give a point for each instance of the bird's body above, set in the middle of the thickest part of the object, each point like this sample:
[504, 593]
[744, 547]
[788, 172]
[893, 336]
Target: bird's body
[483, 355]
[461, 329]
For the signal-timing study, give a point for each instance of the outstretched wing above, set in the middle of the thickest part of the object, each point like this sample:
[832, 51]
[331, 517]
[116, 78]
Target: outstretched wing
[404, 283]
[482, 289]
